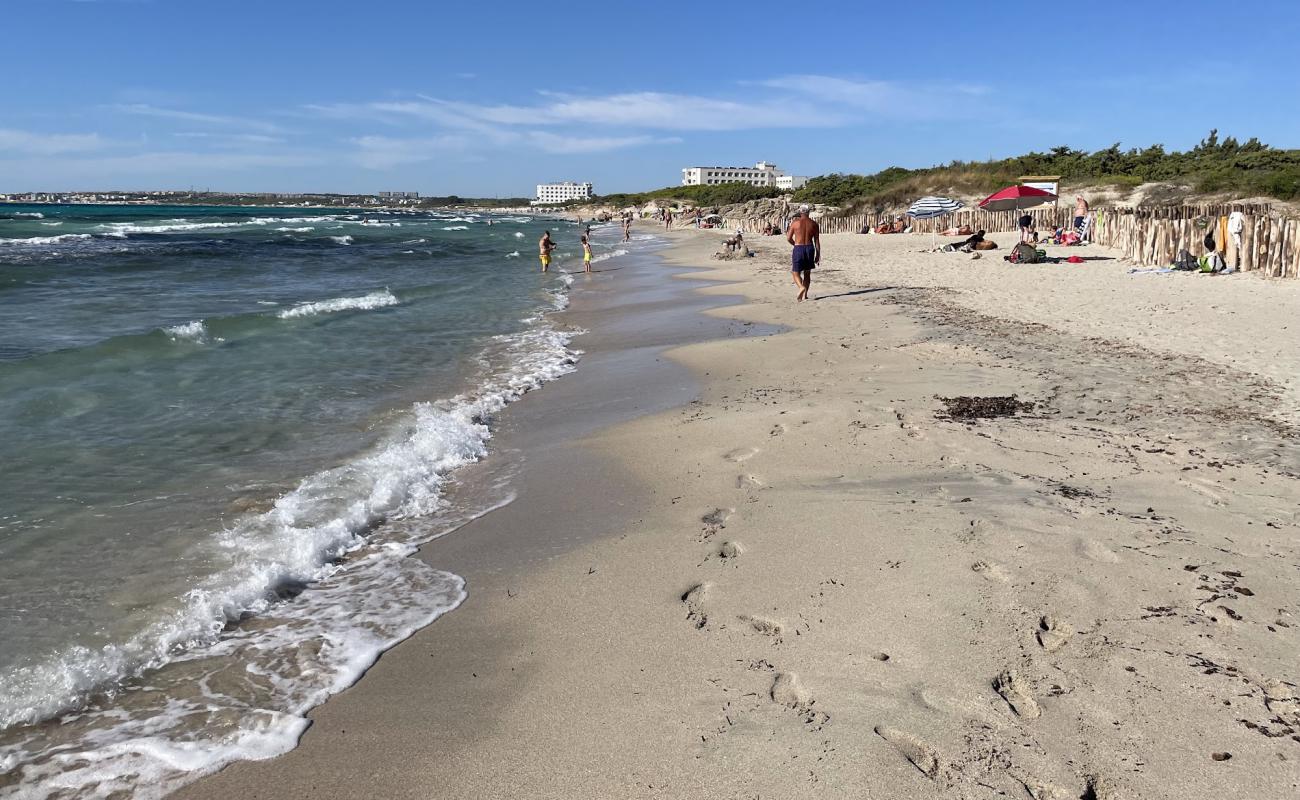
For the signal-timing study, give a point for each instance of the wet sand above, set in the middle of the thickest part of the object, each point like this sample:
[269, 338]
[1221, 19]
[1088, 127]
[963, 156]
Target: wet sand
[766, 562]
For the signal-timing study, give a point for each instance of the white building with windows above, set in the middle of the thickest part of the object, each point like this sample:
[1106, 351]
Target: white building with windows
[555, 193]
[763, 173]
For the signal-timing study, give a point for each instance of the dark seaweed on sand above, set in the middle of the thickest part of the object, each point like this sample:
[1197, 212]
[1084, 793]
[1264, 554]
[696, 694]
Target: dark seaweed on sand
[984, 407]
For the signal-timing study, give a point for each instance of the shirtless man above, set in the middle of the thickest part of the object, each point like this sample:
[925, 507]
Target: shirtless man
[804, 234]
[544, 248]
[1080, 211]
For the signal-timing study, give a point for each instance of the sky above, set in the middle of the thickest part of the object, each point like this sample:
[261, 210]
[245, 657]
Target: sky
[487, 99]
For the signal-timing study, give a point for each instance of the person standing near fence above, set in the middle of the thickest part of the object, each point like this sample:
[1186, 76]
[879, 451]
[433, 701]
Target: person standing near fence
[1080, 211]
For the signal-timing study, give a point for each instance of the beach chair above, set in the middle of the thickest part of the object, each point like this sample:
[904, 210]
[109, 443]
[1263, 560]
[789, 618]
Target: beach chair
[1085, 229]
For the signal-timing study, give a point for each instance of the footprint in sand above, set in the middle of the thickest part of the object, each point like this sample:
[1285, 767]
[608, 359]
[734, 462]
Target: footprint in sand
[1016, 691]
[748, 482]
[763, 625]
[695, 599]
[1091, 548]
[1053, 633]
[994, 573]
[923, 756]
[730, 550]
[787, 690]
[1036, 789]
[741, 454]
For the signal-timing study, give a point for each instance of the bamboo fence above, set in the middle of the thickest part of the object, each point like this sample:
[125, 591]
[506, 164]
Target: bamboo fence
[1149, 236]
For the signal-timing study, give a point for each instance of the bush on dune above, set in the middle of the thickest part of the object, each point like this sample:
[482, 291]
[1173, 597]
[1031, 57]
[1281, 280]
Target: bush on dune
[1214, 165]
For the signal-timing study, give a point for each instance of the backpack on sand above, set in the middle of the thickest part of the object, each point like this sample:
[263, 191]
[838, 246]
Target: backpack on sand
[1023, 254]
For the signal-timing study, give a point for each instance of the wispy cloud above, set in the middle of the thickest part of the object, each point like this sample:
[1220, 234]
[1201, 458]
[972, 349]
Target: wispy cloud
[45, 144]
[228, 139]
[146, 110]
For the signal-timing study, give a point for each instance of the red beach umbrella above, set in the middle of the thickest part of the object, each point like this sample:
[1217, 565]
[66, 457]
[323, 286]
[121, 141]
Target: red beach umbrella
[1014, 198]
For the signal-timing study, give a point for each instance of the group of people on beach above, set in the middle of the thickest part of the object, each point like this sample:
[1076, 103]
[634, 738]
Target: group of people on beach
[546, 246]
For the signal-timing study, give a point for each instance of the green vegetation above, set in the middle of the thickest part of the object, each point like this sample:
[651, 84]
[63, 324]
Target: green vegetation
[699, 196]
[1252, 168]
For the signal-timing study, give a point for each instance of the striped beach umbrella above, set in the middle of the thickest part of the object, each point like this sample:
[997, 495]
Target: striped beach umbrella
[931, 207]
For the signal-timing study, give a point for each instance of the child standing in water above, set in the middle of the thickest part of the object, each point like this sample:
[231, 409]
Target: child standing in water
[586, 254]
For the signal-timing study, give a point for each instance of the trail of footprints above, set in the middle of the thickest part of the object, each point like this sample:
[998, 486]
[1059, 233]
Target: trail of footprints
[788, 691]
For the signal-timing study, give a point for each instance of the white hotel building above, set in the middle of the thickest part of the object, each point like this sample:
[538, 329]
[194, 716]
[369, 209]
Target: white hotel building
[556, 193]
[761, 174]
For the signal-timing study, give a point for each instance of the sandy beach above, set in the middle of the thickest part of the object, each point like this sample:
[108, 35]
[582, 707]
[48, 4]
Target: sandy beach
[752, 555]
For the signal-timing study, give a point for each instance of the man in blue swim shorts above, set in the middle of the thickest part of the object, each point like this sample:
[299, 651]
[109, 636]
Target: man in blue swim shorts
[804, 234]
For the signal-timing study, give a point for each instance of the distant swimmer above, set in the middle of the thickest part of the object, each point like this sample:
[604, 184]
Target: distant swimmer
[544, 247]
[804, 234]
[586, 254]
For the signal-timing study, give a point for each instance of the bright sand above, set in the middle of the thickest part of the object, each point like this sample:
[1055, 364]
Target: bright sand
[805, 582]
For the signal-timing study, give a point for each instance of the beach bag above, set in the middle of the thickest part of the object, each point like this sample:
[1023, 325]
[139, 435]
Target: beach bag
[1185, 261]
[1023, 254]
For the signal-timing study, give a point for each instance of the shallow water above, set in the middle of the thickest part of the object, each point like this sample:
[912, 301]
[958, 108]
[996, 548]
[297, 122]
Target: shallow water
[224, 431]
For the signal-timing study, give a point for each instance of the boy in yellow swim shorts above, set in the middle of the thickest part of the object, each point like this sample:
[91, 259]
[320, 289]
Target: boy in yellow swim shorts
[544, 247]
[586, 254]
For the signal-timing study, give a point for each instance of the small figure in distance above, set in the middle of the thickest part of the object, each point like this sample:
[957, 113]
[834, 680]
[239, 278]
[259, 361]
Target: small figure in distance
[586, 254]
[544, 247]
[805, 235]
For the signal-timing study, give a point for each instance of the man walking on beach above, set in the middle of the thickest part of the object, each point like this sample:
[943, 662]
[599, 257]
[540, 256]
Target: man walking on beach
[804, 234]
[544, 247]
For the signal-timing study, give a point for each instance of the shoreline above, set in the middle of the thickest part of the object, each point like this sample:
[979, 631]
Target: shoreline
[798, 578]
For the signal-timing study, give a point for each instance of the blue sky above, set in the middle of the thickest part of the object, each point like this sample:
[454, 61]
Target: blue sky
[489, 98]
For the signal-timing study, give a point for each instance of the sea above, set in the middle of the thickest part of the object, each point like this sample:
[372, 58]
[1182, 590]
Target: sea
[224, 433]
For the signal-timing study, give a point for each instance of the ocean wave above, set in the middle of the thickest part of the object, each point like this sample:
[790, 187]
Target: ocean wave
[307, 229]
[193, 331]
[519, 234]
[341, 239]
[52, 224]
[363, 303]
[220, 691]
[609, 255]
[48, 240]
[28, 215]
[456, 228]
[515, 254]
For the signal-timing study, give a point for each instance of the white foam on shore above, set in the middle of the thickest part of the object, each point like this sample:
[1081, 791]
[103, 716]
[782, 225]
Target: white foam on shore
[38, 241]
[218, 694]
[362, 303]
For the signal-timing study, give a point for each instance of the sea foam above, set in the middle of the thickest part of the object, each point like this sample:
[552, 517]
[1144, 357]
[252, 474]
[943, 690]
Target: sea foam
[363, 303]
[220, 692]
[48, 240]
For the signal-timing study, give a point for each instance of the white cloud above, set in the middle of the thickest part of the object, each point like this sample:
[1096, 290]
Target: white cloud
[230, 138]
[30, 143]
[146, 110]
[568, 145]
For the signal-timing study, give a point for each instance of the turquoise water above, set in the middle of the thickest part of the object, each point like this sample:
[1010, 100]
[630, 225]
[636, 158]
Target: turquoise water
[224, 431]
